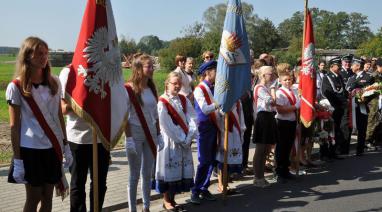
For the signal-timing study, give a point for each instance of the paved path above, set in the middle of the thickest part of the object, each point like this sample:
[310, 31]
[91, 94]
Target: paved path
[12, 196]
[352, 184]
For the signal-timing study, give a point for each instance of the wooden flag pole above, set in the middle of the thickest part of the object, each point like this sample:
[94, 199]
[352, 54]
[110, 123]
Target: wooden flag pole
[298, 150]
[225, 165]
[95, 171]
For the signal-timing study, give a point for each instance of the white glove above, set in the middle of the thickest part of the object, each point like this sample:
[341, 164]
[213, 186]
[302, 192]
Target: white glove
[18, 171]
[68, 156]
[297, 105]
[130, 146]
[187, 142]
[160, 144]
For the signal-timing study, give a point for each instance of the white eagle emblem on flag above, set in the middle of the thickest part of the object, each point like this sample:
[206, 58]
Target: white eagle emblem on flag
[104, 55]
[307, 62]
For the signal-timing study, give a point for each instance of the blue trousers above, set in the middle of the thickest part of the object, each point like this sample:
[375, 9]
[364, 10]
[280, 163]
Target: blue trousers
[207, 144]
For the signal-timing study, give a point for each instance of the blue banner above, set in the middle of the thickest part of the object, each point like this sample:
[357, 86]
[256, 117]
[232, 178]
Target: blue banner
[233, 77]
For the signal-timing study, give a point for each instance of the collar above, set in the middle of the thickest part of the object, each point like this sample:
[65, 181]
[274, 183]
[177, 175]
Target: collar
[336, 75]
[285, 88]
[208, 83]
[36, 85]
[359, 74]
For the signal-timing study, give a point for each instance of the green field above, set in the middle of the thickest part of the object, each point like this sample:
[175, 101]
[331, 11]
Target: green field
[7, 71]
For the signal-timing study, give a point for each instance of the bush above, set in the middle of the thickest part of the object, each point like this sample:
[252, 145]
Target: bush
[188, 46]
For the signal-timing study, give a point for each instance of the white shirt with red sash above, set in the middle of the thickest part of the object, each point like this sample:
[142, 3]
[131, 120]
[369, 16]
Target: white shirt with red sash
[235, 137]
[175, 161]
[31, 133]
[284, 100]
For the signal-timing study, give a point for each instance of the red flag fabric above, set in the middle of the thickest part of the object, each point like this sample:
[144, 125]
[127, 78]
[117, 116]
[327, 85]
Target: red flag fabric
[94, 84]
[307, 84]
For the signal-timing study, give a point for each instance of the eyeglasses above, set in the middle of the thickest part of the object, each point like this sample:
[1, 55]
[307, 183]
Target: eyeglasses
[208, 57]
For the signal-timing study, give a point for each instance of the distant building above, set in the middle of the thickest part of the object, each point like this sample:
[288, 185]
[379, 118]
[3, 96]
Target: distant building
[60, 58]
[327, 54]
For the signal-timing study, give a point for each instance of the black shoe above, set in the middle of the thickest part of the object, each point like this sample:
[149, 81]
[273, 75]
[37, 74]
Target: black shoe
[290, 176]
[195, 199]
[281, 180]
[337, 157]
[206, 195]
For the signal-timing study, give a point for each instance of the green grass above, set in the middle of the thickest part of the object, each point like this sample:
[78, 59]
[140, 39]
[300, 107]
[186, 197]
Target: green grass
[7, 58]
[7, 71]
[6, 156]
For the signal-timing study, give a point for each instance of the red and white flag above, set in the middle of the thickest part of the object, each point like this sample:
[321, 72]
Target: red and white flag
[307, 84]
[94, 84]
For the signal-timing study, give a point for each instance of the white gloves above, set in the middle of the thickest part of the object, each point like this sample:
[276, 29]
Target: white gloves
[297, 105]
[18, 171]
[68, 156]
[160, 144]
[187, 143]
[130, 146]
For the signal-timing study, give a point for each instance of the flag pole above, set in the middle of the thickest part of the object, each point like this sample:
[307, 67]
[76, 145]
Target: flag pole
[95, 171]
[225, 165]
[298, 150]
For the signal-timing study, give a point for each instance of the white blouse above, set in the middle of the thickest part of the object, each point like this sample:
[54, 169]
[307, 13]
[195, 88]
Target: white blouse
[149, 109]
[264, 99]
[31, 133]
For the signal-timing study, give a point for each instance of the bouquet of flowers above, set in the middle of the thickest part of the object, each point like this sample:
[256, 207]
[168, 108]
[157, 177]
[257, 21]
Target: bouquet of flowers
[375, 88]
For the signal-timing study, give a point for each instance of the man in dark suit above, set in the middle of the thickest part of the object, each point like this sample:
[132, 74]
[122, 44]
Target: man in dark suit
[356, 83]
[346, 71]
[333, 89]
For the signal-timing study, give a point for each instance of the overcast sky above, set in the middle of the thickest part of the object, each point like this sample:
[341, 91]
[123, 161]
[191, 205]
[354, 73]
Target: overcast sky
[58, 21]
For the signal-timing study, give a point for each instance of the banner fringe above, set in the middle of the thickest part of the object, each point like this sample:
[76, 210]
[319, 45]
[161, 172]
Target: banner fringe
[84, 115]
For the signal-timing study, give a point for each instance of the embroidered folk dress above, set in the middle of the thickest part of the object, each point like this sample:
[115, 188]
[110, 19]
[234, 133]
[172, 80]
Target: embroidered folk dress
[235, 139]
[174, 164]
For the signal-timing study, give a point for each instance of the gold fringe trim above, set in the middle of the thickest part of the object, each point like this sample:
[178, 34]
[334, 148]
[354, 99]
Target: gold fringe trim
[84, 115]
[306, 123]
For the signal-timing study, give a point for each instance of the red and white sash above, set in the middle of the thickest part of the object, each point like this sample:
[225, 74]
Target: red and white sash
[206, 94]
[141, 118]
[290, 95]
[175, 116]
[233, 120]
[62, 188]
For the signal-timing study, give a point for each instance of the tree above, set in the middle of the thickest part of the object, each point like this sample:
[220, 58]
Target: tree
[127, 46]
[264, 37]
[358, 31]
[371, 47]
[214, 17]
[195, 30]
[189, 46]
[291, 28]
[150, 44]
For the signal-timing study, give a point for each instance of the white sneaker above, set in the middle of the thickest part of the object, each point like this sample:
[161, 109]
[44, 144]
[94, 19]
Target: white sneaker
[261, 183]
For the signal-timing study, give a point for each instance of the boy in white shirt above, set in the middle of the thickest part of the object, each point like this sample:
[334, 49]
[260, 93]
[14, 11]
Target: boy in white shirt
[287, 105]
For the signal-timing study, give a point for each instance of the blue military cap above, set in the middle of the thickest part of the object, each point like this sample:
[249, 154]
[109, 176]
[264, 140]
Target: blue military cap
[347, 57]
[206, 66]
[335, 61]
[358, 60]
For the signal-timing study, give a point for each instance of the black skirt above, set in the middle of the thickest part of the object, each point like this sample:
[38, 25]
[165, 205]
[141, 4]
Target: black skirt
[265, 128]
[41, 166]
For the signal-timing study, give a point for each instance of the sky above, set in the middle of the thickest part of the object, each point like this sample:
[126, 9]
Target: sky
[58, 21]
